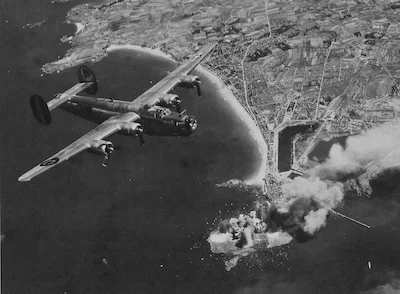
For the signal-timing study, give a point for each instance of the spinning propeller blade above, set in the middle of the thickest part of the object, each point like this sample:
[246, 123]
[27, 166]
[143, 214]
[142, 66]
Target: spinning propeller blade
[178, 108]
[139, 134]
[198, 89]
[107, 154]
[141, 139]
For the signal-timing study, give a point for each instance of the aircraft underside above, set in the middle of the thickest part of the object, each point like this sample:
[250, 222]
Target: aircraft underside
[151, 126]
[155, 112]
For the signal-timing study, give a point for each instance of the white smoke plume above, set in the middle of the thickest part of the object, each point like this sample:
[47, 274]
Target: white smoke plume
[308, 201]
[322, 191]
[372, 145]
[315, 220]
[325, 193]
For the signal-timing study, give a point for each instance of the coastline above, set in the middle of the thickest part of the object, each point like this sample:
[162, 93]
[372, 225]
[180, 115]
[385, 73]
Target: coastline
[155, 52]
[257, 178]
[76, 57]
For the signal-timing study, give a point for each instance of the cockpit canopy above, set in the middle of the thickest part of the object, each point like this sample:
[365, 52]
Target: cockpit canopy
[159, 112]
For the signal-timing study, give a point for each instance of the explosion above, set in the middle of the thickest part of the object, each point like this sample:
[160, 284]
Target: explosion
[305, 204]
[307, 201]
[360, 150]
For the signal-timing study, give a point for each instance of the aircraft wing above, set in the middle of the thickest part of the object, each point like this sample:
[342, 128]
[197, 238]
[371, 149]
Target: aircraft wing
[105, 129]
[167, 84]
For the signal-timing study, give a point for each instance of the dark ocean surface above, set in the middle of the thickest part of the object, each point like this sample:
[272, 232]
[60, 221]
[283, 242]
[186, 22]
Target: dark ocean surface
[140, 225]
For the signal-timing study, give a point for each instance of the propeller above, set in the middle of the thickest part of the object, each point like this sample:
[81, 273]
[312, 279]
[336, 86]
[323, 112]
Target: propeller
[178, 106]
[141, 139]
[108, 149]
[190, 121]
[139, 133]
[106, 158]
[197, 85]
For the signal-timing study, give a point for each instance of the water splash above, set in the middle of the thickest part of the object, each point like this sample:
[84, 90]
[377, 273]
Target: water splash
[222, 243]
[240, 185]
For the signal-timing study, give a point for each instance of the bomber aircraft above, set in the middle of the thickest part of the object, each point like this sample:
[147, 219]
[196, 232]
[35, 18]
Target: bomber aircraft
[155, 112]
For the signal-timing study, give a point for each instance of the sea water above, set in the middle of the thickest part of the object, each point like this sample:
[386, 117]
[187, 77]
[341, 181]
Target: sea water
[150, 212]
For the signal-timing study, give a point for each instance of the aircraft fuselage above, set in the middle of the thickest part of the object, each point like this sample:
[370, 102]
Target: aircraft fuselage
[155, 120]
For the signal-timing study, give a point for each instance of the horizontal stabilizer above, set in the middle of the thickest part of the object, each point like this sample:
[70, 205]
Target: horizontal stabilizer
[41, 109]
[62, 98]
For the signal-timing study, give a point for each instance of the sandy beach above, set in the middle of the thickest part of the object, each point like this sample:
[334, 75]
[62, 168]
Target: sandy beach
[229, 97]
[77, 57]
[156, 52]
[224, 91]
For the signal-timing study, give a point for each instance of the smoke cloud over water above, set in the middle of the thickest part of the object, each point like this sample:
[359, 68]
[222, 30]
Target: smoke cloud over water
[307, 201]
[325, 193]
[315, 220]
[360, 150]
[222, 243]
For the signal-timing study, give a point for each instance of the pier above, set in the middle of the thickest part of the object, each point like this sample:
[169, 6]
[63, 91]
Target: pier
[329, 115]
[273, 142]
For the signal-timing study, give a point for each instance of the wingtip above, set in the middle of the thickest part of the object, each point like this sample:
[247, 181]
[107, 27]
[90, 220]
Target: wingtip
[23, 179]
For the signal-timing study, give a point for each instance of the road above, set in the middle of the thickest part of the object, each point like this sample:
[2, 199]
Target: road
[245, 86]
[321, 82]
[330, 111]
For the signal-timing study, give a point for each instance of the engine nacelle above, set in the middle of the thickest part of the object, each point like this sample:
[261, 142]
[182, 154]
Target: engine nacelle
[189, 81]
[131, 128]
[101, 146]
[169, 99]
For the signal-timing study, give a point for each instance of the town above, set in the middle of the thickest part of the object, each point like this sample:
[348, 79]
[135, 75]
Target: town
[330, 67]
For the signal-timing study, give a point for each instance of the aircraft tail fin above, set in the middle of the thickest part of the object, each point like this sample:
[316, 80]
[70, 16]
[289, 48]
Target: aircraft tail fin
[41, 109]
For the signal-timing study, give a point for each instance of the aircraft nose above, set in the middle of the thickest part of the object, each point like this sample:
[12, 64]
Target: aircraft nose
[191, 122]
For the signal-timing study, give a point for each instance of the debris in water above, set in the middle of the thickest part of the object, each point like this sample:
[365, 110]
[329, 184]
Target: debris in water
[229, 264]
[239, 237]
